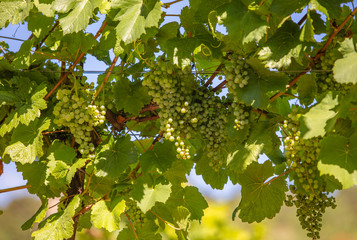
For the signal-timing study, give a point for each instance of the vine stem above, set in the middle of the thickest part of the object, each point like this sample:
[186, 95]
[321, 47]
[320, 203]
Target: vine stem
[279, 176]
[73, 65]
[167, 5]
[318, 54]
[1, 167]
[210, 80]
[219, 86]
[105, 80]
[14, 188]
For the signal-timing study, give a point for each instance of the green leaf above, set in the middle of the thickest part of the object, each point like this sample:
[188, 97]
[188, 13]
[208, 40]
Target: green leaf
[344, 69]
[115, 156]
[307, 33]
[35, 174]
[307, 89]
[22, 58]
[27, 110]
[216, 179]
[261, 85]
[38, 217]
[317, 22]
[342, 175]
[260, 198]
[26, 142]
[107, 214]
[331, 8]
[194, 202]
[285, 8]
[14, 11]
[130, 96]
[39, 25]
[160, 157]
[259, 141]
[282, 46]
[45, 6]
[78, 18]
[167, 32]
[147, 195]
[63, 6]
[314, 121]
[242, 24]
[339, 150]
[134, 16]
[58, 225]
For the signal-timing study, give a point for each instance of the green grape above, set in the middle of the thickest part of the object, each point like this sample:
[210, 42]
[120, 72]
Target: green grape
[136, 216]
[325, 78]
[237, 75]
[187, 109]
[73, 112]
[310, 197]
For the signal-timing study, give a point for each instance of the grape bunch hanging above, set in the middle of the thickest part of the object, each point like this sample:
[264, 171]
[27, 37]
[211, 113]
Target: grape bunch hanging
[187, 109]
[74, 111]
[309, 191]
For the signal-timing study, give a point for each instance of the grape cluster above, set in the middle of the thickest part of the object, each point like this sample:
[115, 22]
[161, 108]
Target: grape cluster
[136, 216]
[309, 190]
[187, 109]
[310, 210]
[73, 111]
[236, 71]
[237, 75]
[326, 80]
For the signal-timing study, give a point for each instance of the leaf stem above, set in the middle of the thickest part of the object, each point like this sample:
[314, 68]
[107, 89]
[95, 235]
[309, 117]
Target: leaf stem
[131, 224]
[279, 176]
[168, 224]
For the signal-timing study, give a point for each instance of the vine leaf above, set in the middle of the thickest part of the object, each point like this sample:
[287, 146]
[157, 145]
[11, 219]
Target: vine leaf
[282, 46]
[194, 202]
[26, 142]
[331, 8]
[261, 82]
[115, 156]
[107, 214]
[314, 121]
[260, 200]
[344, 69]
[147, 195]
[78, 18]
[14, 11]
[134, 16]
[28, 109]
[342, 175]
[307, 32]
[38, 216]
[161, 157]
[307, 89]
[58, 225]
[285, 8]
[242, 24]
[130, 96]
[341, 151]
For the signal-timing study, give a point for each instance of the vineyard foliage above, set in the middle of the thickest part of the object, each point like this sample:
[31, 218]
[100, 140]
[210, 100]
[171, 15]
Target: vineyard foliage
[213, 88]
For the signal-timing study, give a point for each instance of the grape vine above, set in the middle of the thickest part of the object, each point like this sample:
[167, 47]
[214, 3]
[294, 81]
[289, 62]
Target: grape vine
[117, 150]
